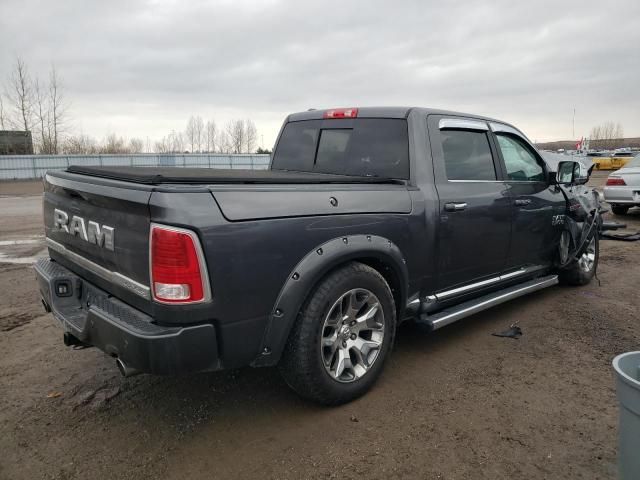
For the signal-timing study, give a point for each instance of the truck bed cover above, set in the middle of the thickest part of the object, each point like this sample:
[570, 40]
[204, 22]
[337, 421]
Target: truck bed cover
[164, 175]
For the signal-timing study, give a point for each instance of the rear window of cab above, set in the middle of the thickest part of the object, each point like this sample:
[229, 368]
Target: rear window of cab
[368, 147]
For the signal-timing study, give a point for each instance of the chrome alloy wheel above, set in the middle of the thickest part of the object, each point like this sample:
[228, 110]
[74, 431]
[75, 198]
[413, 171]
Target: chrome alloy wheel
[588, 258]
[352, 335]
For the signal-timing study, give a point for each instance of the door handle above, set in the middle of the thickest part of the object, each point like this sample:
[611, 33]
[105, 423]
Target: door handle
[521, 202]
[455, 206]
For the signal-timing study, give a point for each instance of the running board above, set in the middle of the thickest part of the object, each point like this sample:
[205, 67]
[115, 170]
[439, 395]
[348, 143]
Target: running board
[465, 309]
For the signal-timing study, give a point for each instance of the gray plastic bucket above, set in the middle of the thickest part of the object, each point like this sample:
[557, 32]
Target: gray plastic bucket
[627, 367]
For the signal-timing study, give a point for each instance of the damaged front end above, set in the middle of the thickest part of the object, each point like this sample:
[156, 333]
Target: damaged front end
[583, 214]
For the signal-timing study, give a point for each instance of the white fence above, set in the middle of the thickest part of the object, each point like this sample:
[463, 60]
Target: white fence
[17, 167]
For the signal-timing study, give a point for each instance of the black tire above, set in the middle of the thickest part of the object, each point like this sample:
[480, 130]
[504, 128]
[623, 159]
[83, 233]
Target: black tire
[302, 364]
[576, 272]
[619, 209]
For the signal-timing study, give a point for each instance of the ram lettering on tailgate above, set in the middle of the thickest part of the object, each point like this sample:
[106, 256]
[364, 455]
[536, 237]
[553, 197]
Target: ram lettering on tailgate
[92, 232]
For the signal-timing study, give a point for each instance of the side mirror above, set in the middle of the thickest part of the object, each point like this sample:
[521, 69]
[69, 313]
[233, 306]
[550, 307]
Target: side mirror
[571, 173]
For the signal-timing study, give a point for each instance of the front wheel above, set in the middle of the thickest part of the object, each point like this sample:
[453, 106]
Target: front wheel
[582, 270]
[342, 336]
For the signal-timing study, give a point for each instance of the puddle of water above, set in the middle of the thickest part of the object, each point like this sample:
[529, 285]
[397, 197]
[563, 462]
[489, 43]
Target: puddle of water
[29, 241]
[21, 251]
[4, 258]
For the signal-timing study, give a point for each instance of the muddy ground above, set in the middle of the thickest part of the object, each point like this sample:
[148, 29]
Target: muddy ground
[455, 404]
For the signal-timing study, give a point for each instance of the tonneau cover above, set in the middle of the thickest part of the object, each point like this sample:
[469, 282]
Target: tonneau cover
[160, 175]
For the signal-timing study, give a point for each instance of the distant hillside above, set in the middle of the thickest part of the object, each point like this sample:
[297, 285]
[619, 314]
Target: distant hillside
[597, 144]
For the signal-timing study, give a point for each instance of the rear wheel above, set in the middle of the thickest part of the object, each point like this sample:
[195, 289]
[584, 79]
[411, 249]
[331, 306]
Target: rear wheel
[342, 336]
[619, 209]
[582, 270]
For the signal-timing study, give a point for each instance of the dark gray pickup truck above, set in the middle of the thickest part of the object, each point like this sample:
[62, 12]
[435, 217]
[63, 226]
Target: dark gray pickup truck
[366, 218]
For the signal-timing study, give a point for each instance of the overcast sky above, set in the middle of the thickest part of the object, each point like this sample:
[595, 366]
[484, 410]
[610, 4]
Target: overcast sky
[142, 68]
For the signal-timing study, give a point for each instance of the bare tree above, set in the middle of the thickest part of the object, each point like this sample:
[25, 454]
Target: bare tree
[251, 135]
[79, 145]
[606, 135]
[136, 145]
[211, 134]
[114, 144]
[176, 141]
[21, 94]
[618, 132]
[190, 133]
[172, 143]
[236, 135]
[3, 121]
[38, 108]
[223, 144]
[43, 117]
[199, 133]
[57, 107]
[163, 146]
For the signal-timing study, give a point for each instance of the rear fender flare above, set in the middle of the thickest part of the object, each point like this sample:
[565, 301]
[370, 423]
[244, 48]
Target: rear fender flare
[310, 270]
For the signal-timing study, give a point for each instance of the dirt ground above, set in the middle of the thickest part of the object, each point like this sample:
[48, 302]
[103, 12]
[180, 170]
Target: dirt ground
[455, 404]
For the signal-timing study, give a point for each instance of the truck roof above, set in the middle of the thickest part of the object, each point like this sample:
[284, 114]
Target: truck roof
[383, 112]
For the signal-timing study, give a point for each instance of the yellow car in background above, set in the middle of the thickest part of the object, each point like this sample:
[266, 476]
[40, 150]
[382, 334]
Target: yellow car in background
[613, 161]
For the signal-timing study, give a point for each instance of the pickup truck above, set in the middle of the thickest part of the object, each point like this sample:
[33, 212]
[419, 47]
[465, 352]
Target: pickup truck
[366, 218]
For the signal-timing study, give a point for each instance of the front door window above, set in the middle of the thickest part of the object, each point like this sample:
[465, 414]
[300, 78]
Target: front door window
[520, 162]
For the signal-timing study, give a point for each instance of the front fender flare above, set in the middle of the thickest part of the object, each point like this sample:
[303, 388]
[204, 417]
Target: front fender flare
[310, 270]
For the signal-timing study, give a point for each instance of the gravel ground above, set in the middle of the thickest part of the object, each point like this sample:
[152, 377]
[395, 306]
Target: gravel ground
[455, 404]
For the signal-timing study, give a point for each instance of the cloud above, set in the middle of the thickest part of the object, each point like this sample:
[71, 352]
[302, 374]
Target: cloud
[142, 68]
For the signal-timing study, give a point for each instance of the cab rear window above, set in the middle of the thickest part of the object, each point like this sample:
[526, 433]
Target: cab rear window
[377, 147]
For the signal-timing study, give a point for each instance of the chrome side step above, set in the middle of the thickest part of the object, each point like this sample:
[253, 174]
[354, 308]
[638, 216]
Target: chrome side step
[470, 307]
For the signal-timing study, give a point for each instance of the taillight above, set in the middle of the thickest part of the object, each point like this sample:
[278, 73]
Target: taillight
[615, 181]
[178, 271]
[341, 113]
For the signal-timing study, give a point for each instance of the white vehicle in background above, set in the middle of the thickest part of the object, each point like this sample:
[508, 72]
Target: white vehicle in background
[622, 190]
[625, 150]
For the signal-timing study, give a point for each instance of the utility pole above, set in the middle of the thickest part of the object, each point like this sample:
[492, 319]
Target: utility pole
[573, 124]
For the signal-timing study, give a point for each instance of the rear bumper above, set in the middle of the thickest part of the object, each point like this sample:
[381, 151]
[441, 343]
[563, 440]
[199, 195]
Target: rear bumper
[101, 320]
[622, 195]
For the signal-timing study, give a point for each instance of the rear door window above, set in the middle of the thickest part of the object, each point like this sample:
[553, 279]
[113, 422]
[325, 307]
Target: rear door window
[377, 147]
[297, 146]
[467, 155]
[332, 147]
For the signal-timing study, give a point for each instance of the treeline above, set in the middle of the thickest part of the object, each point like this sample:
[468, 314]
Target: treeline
[237, 136]
[40, 106]
[631, 142]
[606, 135]
[112, 144]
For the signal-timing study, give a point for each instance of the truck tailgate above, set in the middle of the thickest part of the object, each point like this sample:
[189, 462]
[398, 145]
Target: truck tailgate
[100, 231]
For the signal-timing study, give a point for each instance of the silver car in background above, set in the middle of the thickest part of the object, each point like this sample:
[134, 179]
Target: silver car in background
[622, 190]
